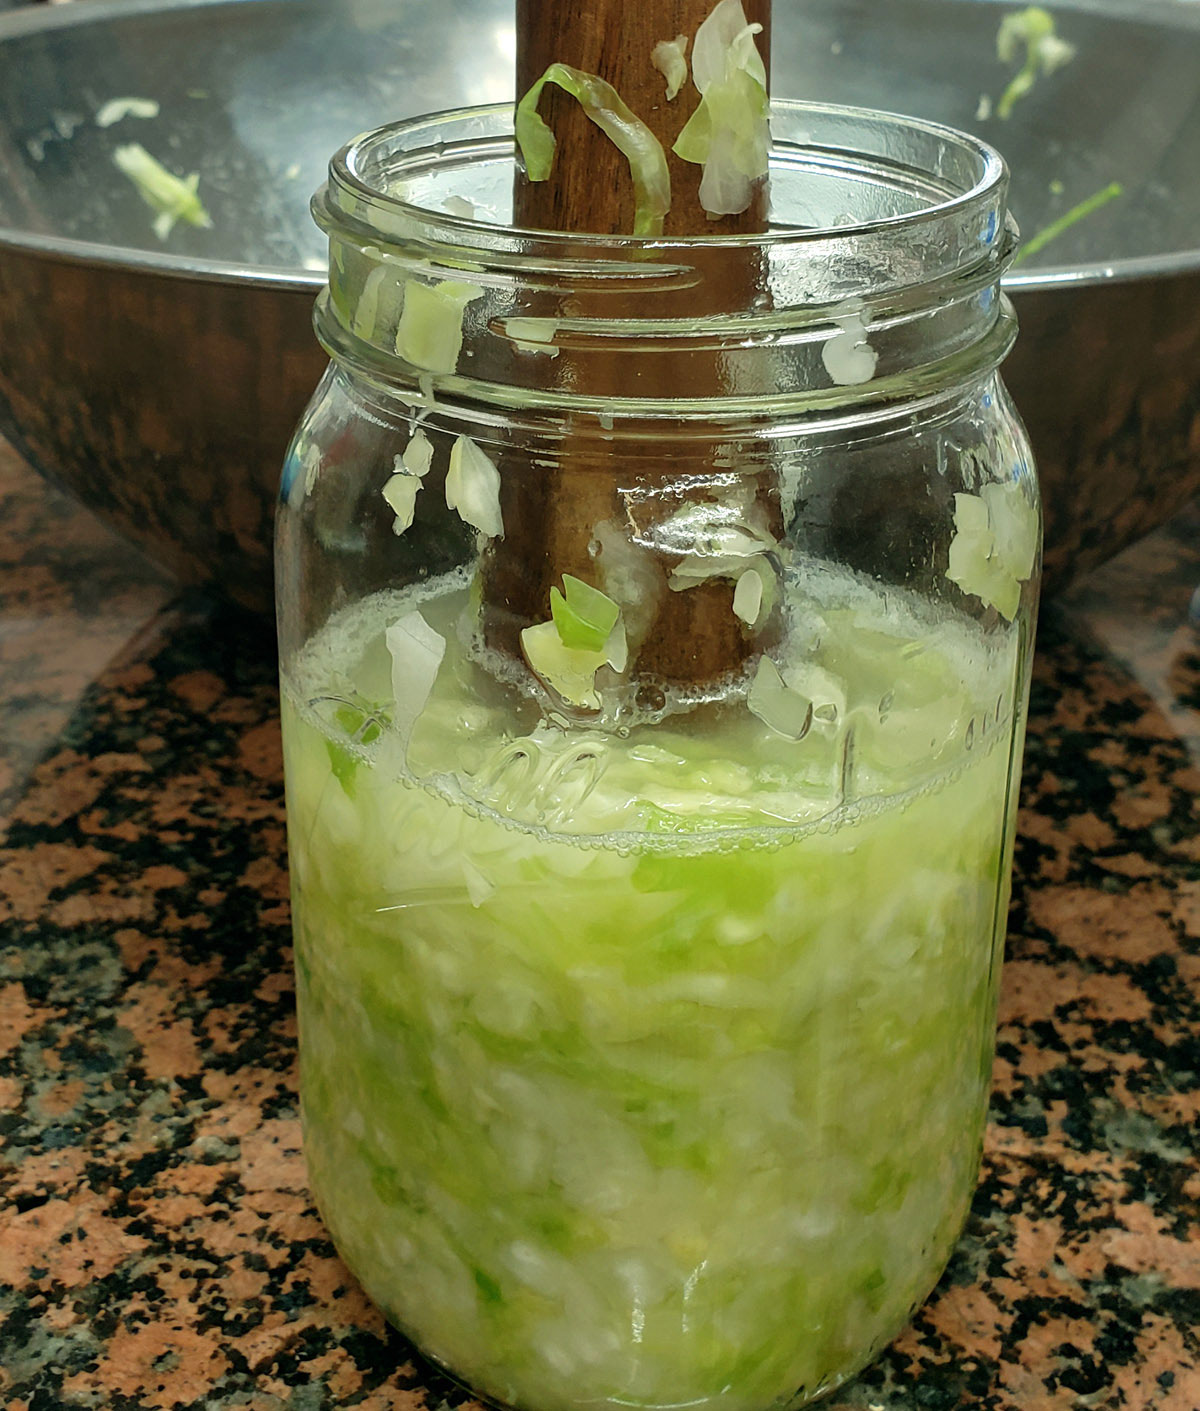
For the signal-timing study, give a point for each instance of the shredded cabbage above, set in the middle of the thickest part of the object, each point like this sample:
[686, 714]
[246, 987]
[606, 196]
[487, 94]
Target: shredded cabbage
[605, 1121]
[401, 494]
[409, 468]
[1077, 213]
[117, 108]
[533, 335]
[849, 359]
[1032, 28]
[417, 456]
[585, 632]
[459, 206]
[312, 467]
[995, 543]
[174, 199]
[616, 648]
[569, 671]
[473, 488]
[715, 539]
[748, 597]
[669, 58]
[604, 105]
[379, 298]
[756, 592]
[416, 652]
[429, 334]
[729, 133]
[773, 701]
[1013, 521]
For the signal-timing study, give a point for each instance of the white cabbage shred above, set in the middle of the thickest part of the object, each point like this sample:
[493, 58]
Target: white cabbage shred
[417, 456]
[755, 592]
[473, 488]
[117, 108]
[401, 494]
[409, 467]
[729, 133]
[773, 701]
[533, 335]
[995, 545]
[716, 540]
[748, 596]
[569, 671]
[416, 651]
[669, 57]
[616, 649]
[848, 357]
[366, 306]
[312, 467]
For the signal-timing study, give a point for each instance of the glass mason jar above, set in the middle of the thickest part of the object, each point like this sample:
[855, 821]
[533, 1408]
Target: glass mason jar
[655, 622]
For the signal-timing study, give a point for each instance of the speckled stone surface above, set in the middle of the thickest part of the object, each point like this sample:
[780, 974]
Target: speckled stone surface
[158, 1248]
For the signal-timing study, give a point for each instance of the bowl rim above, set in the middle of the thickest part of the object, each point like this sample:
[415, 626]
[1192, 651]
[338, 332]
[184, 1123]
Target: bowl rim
[33, 20]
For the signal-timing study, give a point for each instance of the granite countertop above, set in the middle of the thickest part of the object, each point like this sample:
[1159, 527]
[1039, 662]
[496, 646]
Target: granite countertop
[158, 1248]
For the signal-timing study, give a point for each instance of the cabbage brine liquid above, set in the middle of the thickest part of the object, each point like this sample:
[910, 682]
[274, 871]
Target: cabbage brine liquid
[638, 1055]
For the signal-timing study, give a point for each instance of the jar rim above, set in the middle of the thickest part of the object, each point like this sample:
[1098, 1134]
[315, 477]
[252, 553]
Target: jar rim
[347, 173]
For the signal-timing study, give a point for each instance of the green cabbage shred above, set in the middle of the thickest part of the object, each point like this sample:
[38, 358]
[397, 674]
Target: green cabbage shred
[583, 615]
[628, 133]
[1077, 213]
[173, 198]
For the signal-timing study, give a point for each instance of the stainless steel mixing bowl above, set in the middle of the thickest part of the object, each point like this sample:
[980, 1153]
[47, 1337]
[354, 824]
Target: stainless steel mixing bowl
[159, 380]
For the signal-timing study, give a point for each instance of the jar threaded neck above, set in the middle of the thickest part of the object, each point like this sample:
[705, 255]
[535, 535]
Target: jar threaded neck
[877, 281]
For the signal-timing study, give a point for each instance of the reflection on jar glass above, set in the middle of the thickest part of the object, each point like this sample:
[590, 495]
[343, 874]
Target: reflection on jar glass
[654, 669]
